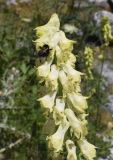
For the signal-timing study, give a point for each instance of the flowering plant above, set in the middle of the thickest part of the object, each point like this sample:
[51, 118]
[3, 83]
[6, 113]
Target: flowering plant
[62, 83]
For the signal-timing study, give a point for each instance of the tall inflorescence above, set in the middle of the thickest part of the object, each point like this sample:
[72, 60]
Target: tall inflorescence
[88, 57]
[63, 97]
[106, 31]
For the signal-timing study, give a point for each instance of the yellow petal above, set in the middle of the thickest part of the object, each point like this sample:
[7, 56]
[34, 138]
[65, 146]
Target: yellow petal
[48, 101]
[65, 43]
[75, 124]
[73, 75]
[77, 102]
[71, 148]
[65, 56]
[53, 42]
[88, 150]
[52, 26]
[44, 70]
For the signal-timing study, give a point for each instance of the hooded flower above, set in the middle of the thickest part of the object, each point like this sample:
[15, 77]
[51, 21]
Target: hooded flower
[48, 34]
[51, 27]
[64, 58]
[58, 113]
[63, 51]
[71, 149]
[48, 101]
[87, 149]
[75, 124]
[67, 58]
[44, 70]
[77, 102]
[74, 76]
[67, 85]
[56, 141]
[65, 43]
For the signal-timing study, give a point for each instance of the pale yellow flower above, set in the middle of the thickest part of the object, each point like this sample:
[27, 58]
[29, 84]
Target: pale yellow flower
[68, 58]
[67, 83]
[52, 26]
[75, 124]
[56, 141]
[74, 76]
[77, 102]
[63, 51]
[65, 43]
[88, 150]
[44, 69]
[71, 149]
[48, 101]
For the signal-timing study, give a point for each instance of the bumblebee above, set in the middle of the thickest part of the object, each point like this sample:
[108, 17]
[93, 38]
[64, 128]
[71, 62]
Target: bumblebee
[43, 52]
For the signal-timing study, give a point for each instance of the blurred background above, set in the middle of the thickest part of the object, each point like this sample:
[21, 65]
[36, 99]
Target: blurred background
[23, 129]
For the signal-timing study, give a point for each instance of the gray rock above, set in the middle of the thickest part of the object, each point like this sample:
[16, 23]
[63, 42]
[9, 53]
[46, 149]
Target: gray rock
[81, 4]
[102, 4]
[100, 14]
[97, 1]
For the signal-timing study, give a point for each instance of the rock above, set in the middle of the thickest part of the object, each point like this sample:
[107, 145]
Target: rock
[100, 14]
[97, 1]
[105, 4]
[81, 4]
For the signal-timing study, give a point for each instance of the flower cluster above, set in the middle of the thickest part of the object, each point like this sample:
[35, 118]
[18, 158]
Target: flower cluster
[63, 99]
[88, 57]
[106, 30]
